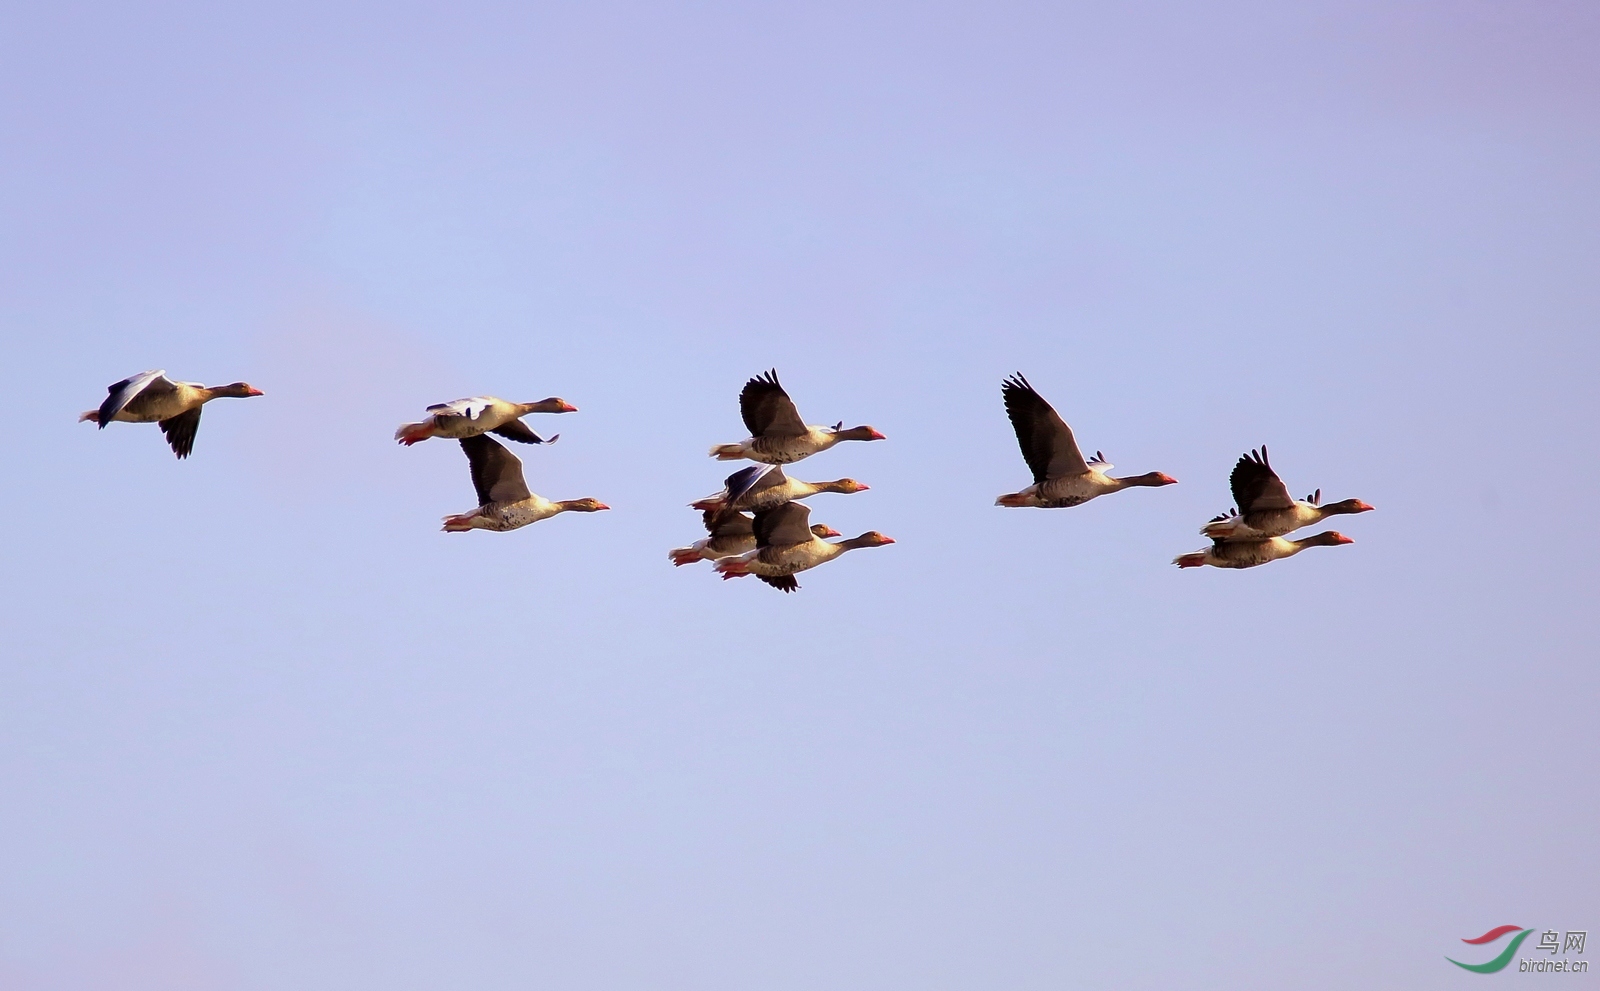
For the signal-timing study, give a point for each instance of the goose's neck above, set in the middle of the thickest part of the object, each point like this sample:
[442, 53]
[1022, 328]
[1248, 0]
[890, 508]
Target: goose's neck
[236, 390]
[1149, 478]
[546, 406]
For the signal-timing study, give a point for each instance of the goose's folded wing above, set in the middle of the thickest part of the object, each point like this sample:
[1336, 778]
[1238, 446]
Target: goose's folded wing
[120, 394]
[1046, 441]
[1256, 486]
[496, 472]
[180, 431]
[767, 409]
[788, 524]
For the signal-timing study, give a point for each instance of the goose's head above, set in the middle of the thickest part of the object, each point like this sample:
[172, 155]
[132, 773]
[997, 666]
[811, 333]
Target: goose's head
[1347, 506]
[1328, 538]
[872, 538]
[858, 433]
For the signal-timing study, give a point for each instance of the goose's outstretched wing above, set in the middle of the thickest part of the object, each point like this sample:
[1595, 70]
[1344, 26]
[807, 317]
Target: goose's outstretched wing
[180, 431]
[1256, 486]
[767, 409]
[496, 472]
[120, 394]
[1046, 441]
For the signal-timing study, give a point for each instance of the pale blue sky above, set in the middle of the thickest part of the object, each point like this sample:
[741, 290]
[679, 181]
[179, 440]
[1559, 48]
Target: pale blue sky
[262, 726]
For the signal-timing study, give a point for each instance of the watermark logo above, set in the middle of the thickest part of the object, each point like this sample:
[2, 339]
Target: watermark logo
[1550, 940]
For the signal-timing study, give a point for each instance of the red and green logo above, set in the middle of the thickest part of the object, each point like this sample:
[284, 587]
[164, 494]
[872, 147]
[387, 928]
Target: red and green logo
[1499, 962]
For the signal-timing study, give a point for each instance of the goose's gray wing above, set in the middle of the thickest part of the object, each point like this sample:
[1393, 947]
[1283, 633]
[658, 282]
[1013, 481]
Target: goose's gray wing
[496, 472]
[786, 525]
[120, 394]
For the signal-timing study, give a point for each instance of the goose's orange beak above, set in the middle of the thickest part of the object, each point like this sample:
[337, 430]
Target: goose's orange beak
[878, 436]
[254, 391]
[567, 407]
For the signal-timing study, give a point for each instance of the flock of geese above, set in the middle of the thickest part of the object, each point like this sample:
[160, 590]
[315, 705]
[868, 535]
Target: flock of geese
[757, 524]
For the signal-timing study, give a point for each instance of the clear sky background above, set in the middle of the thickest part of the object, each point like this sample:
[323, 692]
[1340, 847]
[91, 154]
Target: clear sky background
[262, 726]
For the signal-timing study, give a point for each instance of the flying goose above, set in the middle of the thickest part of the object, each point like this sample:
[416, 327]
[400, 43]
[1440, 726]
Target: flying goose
[1265, 506]
[481, 415]
[1252, 553]
[786, 546]
[731, 533]
[766, 487]
[151, 397]
[777, 434]
[504, 502]
[1061, 476]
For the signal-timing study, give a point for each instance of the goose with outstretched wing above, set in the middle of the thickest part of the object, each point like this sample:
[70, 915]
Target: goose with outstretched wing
[786, 546]
[730, 534]
[762, 487]
[504, 500]
[1238, 554]
[1265, 508]
[1061, 474]
[778, 436]
[151, 397]
[476, 415]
